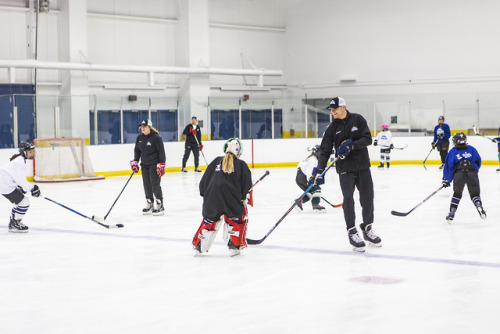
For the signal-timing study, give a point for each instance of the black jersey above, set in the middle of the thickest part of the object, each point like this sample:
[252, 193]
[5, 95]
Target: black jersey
[353, 127]
[223, 193]
[190, 139]
[149, 148]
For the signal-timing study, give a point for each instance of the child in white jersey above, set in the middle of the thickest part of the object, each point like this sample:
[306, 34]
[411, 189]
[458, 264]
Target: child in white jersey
[384, 139]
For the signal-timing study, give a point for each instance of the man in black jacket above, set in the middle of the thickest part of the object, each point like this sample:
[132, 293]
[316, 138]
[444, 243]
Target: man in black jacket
[349, 135]
[192, 133]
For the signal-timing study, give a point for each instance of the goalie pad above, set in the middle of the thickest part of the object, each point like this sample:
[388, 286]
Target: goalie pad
[205, 236]
[235, 229]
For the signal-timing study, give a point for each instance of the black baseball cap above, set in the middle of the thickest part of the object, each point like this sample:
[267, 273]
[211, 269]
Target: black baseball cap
[147, 122]
[336, 102]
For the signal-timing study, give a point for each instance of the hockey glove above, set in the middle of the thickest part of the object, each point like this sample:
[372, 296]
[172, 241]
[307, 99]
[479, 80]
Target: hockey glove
[316, 177]
[35, 191]
[391, 147]
[345, 148]
[193, 132]
[135, 166]
[201, 147]
[160, 169]
[446, 183]
[375, 142]
[496, 140]
[433, 144]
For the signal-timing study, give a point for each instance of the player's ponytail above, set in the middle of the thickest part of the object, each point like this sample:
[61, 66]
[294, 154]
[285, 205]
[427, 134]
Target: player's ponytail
[15, 156]
[228, 163]
[154, 130]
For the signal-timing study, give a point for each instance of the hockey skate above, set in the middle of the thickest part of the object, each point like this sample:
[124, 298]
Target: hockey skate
[442, 166]
[233, 250]
[197, 249]
[318, 208]
[184, 170]
[160, 210]
[17, 226]
[451, 215]
[370, 236]
[357, 244]
[498, 169]
[381, 166]
[148, 209]
[388, 164]
[197, 170]
[481, 211]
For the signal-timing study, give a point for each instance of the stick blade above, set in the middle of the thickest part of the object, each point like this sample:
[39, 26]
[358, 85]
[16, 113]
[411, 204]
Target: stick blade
[253, 242]
[399, 214]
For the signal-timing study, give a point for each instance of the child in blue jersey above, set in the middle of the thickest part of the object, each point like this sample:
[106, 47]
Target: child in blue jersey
[461, 166]
[441, 140]
[497, 140]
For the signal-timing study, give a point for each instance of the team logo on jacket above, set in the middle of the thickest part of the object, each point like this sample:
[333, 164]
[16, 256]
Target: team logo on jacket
[148, 144]
[217, 168]
[354, 128]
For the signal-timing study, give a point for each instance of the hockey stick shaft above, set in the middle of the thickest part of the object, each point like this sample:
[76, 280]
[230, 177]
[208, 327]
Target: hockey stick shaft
[81, 214]
[116, 200]
[401, 148]
[334, 205]
[203, 154]
[476, 132]
[404, 214]
[427, 157]
[260, 179]
[259, 241]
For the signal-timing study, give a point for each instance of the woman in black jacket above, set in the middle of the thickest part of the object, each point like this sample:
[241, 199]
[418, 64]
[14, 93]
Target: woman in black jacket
[150, 150]
[224, 187]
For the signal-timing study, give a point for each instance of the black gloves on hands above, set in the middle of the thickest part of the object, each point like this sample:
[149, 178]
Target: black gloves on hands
[446, 183]
[35, 191]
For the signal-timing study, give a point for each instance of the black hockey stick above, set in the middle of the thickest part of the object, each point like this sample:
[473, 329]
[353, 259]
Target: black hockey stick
[334, 205]
[261, 178]
[432, 149]
[476, 132]
[400, 148]
[404, 214]
[116, 200]
[259, 241]
[81, 214]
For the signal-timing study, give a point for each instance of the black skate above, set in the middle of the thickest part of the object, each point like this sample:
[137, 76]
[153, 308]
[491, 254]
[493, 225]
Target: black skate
[481, 211]
[451, 215]
[17, 226]
[442, 166]
[357, 244]
[184, 170]
[370, 236]
[381, 166]
[148, 209]
[197, 170]
[197, 249]
[498, 169]
[318, 208]
[233, 250]
[160, 210]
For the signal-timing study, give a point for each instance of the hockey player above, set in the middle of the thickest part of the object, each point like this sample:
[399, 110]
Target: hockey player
[461, 166]
[497, 140]
[150, 150]
[441, 140]
[13, 186]
[224, 188]
[304, 172]
[384, 138]
[192, 133]
[350, 135]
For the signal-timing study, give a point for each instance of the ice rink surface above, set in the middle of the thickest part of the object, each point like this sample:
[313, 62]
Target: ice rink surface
[70, 275]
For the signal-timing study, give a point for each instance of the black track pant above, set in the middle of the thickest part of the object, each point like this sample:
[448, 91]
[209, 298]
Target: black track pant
[151, 182]
[362, 180]
[303, 183]
[196, 154]
[460, 179]
[442, 147]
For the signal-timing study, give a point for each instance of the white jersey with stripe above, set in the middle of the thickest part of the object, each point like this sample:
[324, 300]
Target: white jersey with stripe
[307, 165]
[13, 174]
[384, 139]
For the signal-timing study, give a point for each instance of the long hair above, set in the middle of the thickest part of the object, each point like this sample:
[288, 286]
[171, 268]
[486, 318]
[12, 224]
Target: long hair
[228, 163]
[16, 155]
[154, 130]
[315, 154]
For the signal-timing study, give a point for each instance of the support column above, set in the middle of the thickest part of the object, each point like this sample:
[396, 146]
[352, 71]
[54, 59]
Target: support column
[192, 49]
[74, 101]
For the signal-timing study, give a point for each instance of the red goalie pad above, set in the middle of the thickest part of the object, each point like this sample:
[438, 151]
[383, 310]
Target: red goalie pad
[205, 225]
[239, 229]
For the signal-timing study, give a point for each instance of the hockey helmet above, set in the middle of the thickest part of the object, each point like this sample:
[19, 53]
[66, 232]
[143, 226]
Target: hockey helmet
[385, 126]
[441, 118]
[233, 145]
[315, 149]
[24, 147]
[459, 138]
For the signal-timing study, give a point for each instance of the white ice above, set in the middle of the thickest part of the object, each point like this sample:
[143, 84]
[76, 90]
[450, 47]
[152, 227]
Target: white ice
[70, 275]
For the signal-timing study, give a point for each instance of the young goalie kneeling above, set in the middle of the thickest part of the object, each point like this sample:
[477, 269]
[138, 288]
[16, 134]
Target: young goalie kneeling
[224, 188]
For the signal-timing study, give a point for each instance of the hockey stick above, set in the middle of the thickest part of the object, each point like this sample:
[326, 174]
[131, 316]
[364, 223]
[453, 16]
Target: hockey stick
[432, 149]
[261, 178]
[116, 200]
[259, 241]
[404, 214]
[334, 205]
[81, 214]
[476, 132]
[400, 148]
[203, 154]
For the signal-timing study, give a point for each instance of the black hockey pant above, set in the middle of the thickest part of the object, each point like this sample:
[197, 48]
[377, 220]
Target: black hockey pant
[314, 194]
[151, 182]
[363, 181]
[196, 154]
[460, 179]
[442, 147]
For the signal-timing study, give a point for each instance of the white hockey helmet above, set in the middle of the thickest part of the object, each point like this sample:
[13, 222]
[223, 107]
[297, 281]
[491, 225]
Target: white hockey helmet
[233, 145]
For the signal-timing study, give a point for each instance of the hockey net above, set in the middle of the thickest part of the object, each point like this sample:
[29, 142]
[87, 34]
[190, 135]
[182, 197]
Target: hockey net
[61, 160]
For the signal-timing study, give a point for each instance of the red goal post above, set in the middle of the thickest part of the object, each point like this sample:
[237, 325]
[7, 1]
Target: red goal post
[62, 160]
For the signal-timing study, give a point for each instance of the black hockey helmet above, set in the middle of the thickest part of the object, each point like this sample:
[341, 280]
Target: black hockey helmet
[315, 150]
[441, 118]
[459, 138]
[24, 147]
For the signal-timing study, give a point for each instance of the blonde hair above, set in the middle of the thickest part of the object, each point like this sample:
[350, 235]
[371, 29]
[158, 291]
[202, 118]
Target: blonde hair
[154, 130]
[228, 163]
